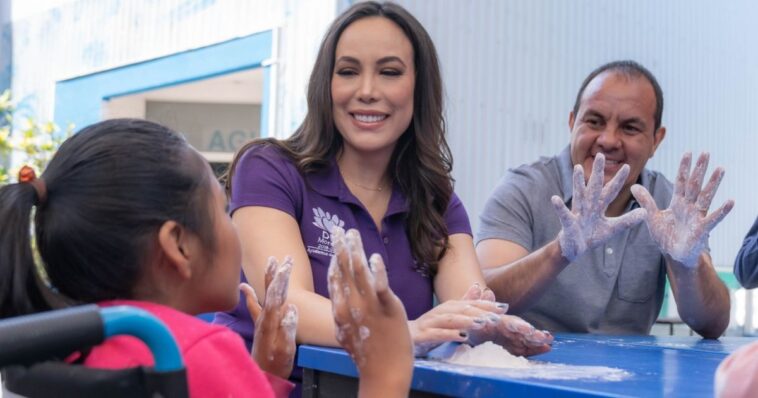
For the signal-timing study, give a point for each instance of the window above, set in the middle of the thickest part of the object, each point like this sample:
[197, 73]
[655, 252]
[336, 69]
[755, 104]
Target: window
[216, 115]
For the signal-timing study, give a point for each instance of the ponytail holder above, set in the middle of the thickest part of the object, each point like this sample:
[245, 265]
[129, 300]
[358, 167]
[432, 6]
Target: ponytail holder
[27, 176]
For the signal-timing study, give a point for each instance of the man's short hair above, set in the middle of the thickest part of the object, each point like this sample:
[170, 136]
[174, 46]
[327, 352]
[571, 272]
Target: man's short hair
[630, 69]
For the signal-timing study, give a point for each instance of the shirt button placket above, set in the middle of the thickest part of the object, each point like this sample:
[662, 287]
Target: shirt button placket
[609, 261]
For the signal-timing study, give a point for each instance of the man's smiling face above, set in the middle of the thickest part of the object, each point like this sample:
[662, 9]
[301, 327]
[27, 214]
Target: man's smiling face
[616, 117]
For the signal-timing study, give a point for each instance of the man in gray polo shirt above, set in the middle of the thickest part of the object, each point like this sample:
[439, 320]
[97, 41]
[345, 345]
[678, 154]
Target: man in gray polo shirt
[598, 268]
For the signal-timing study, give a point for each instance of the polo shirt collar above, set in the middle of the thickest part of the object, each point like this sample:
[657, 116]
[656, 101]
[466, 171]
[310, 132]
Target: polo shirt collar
[329, 182]
[566, 172]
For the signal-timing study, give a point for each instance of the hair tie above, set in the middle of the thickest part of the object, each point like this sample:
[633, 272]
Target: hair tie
[26, 175]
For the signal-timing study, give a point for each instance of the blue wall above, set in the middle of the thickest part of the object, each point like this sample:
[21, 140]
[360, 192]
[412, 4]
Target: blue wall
[79, 100]
[6, 45]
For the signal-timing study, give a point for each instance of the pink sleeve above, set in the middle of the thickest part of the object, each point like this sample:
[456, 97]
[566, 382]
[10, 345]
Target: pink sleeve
[281, 387]
[736, 375]
[220, 366]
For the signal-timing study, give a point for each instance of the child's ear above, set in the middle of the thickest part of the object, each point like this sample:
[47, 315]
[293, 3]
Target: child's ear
[176, 244]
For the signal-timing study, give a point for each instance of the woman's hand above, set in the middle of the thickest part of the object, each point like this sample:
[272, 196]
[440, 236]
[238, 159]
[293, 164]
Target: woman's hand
[275, 323]
[370, 319]
[509, 331]
[452, 320]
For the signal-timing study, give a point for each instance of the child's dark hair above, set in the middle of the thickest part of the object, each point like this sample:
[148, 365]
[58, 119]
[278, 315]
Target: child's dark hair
[109, 189]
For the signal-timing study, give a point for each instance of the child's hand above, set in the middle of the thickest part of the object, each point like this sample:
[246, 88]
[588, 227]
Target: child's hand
[275, 322]
[371, 321]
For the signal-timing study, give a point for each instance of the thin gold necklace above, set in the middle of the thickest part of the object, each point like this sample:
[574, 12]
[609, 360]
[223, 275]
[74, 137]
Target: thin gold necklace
[378, 189]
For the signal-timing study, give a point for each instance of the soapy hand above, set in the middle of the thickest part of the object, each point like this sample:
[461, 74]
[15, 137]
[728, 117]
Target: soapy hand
[681, 231]
[452, 320]
[586, 226]
[509, 331]
[275, 322]
[371, 324]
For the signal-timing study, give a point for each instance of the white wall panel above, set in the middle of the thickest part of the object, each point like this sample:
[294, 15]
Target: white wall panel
[512, 69]
[86, 36]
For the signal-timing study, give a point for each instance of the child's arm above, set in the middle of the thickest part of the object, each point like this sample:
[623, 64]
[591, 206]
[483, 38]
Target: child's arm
[371, 322]
[275, 322]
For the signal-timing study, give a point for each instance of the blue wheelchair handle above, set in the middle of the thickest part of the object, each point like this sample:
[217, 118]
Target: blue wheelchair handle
[28, 339]
[123, 319]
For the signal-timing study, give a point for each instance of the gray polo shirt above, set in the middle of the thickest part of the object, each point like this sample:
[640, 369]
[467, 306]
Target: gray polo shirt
[616, 288]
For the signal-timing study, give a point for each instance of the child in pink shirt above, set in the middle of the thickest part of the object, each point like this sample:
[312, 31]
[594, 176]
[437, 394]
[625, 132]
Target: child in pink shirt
[128, 213]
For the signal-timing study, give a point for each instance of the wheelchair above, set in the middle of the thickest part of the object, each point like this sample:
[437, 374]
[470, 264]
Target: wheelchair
[33, 349]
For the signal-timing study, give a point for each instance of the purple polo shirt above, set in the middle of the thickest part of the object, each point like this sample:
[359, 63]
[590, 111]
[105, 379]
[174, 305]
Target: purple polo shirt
[266, 177]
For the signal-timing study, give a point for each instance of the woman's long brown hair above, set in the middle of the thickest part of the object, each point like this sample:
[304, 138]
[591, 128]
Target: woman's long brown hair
[421, 162]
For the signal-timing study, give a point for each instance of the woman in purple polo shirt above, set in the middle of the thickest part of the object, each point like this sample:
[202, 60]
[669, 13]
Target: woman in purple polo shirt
[371, 155]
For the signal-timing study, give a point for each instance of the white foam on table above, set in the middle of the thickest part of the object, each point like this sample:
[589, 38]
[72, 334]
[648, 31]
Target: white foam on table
[489, 359]
[487, 354]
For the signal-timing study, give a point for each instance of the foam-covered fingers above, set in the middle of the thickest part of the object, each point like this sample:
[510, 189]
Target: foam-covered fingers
[342, 253]
[595, 183]
[381, 283]
[537, 350]
[579, 188]
[289, 323]
[627, 220]
[251, 300]
[695, 182]
[436, 336]
[539, 338]
[714, 218]
[336, 292]
[276, 293]
[364, 280]
[705, 198]
[612, 189]
[483, 306]
[527, 340]
[681, 176]
[473, 293]
[564, 215]
[355, 245]
[488, 294]
[644, 199]
[517, 325]
[457, 322]
[271, 266]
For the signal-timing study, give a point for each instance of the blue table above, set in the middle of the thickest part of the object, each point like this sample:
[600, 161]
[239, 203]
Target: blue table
[631, 366]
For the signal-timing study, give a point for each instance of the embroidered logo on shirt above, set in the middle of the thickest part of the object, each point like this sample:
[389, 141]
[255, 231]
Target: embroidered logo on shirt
[324, 221]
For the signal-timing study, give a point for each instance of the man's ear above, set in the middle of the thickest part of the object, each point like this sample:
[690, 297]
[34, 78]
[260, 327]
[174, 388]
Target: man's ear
[658, 137]
[175, 244]
[571, 121]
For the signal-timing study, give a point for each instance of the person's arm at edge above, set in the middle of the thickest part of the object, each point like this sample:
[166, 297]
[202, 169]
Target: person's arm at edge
[265, 232]
[746, 263]
[701, 297]
[516, 276]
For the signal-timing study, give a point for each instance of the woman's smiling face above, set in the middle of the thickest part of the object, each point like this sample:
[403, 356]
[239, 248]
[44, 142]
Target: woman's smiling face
[373, 85]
